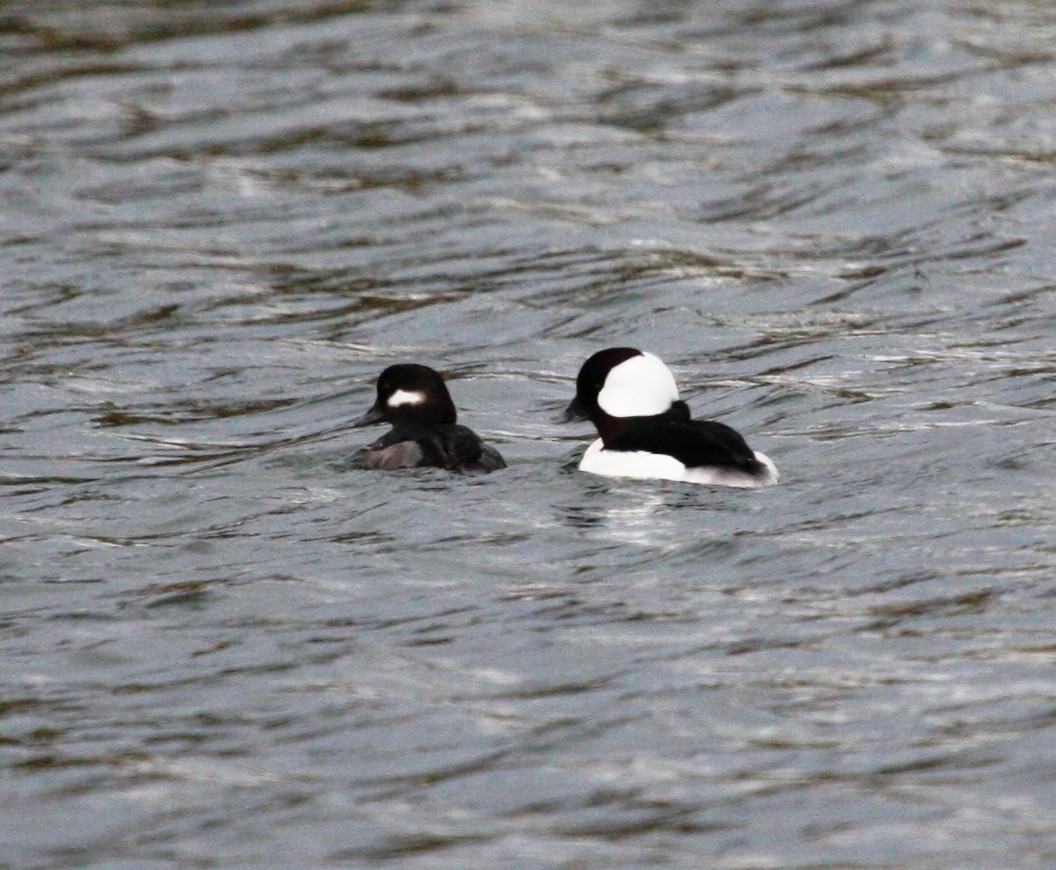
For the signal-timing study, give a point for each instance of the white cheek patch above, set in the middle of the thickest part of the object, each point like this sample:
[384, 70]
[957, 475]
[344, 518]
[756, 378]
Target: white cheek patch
[405, 397]
[639, 387]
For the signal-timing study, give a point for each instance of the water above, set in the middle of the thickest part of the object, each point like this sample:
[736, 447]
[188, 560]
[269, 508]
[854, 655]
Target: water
[223, 648]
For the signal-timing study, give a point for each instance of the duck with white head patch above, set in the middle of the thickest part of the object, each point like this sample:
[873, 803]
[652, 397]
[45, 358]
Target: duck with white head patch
[414, 400]
[646, 430]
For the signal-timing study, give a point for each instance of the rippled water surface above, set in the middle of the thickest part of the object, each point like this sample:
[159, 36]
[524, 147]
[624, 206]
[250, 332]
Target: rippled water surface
[223, 647]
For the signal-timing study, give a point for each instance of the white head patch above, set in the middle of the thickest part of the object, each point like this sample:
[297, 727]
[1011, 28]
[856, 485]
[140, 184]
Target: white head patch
[405, 397]
[639, 387]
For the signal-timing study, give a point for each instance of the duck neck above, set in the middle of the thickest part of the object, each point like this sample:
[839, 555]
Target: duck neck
[611, 428]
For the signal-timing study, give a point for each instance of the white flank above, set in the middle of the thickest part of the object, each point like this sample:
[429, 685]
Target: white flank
[639, 387]
[405, 397]
[659, 466]
[725, 477]
[628, 463]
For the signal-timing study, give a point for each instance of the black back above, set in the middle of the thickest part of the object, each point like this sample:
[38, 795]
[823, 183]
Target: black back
[450, 446]
[694, 443]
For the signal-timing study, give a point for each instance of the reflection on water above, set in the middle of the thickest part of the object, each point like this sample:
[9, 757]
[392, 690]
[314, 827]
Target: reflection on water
[223, 646]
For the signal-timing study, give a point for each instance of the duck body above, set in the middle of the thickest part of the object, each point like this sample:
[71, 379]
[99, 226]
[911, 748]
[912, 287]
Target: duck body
[415, 400]
[647, 432]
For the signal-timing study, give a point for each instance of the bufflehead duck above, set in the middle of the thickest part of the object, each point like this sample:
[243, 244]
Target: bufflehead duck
[415, 400]
[646, 431]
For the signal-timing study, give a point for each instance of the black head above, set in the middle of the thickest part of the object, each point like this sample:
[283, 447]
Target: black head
[591, 380]
[410, 393]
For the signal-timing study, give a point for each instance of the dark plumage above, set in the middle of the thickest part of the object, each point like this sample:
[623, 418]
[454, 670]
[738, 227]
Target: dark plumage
[694, 443]
[414, 399]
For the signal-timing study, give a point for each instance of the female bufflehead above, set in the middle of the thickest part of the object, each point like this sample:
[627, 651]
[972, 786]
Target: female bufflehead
[646, 431]
[415, 400]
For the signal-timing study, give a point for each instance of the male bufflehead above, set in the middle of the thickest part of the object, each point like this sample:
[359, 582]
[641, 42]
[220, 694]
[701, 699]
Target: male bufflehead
[415, 400]
[646, 432]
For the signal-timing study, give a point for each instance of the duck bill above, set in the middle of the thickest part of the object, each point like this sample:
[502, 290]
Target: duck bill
[374, 415]
[574, 413]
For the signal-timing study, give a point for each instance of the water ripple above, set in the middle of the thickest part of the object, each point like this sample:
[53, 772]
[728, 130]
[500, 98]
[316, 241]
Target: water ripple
[225, 645]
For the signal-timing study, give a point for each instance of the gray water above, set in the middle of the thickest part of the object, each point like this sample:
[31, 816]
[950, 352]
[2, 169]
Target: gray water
[223, 647]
